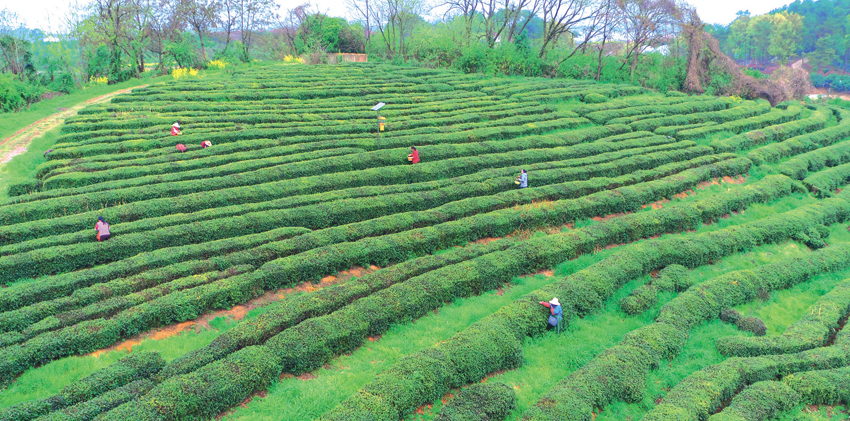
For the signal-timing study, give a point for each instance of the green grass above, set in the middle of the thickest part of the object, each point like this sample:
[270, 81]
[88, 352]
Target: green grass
[12, 122]
[779, 311]
[548, 358]
[49, 379]
[297, 398]
[22, 167]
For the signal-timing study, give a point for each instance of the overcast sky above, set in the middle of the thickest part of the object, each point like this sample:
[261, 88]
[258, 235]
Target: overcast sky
[35, 12]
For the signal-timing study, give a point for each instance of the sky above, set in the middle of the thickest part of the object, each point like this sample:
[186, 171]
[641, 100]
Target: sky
[35, 12]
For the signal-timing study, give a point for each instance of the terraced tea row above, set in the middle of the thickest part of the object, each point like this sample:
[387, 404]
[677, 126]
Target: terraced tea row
[296, 187]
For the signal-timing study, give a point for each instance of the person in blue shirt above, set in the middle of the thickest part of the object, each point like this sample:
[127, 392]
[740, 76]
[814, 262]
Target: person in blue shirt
[557, 313]
[523, 179]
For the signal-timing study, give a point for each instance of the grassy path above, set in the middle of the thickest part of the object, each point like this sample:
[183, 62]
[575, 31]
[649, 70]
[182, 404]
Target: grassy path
[17, 143]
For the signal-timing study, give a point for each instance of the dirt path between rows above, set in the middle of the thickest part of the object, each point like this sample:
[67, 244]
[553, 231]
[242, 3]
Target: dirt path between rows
[17, 143]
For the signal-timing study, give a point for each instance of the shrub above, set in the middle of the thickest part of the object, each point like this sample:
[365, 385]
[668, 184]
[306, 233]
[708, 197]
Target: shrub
[762, 400]
[671, 278]
[730, 315]
[595, 98]
[490, 401]
[584, 291]
[125, 372]
[778, 132]
[639, 300]
[804, 143]
[818, 324]
[752, 324]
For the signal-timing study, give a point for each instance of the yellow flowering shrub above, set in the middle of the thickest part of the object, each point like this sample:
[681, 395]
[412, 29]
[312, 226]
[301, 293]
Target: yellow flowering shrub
[103, 80]
[178, 73]
[216, 64]
[293, 59]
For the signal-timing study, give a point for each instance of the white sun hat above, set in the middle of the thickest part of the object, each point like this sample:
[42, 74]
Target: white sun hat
[176, 125]
[555, 302]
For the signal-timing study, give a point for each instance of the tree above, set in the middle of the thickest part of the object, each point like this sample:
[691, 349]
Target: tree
[323, 33]
[395, 20]
[136, 34]
[785, 35]
[360, 9]
[610, 22]
[227, 19]
[253, 15]
[467, 10]
[111, 24]
[824, 55]
[503, 19]
[165, 23]
[15, 50]
[202, 15]
[738, 43]
[561, 16]
[645, 22]
[290, 24]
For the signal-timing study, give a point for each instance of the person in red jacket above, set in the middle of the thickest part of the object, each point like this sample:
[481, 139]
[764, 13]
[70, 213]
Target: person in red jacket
[175, 129]
[181, 147]
[414, 156]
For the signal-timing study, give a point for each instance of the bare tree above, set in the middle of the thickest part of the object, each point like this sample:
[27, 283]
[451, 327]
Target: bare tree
[503, 19]
[253, 16]
[227, 19]
[610, 21]
[645, 22]
[136, 34]
[561, 17]
[201, 15]
[361, 10]
[291, 21]
[467, 10]
[395, 20]
[166, 21]
[13, 46]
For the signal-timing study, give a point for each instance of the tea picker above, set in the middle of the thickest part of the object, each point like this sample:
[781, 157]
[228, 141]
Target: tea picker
[414, 155]
[557, 313]
[522, 179]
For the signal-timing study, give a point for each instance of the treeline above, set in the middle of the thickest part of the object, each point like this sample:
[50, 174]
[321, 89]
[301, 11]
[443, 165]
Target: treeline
[816, 30]
[631, 41]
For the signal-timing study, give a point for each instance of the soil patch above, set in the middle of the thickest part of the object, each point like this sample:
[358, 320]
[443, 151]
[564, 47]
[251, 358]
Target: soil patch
[236, 313]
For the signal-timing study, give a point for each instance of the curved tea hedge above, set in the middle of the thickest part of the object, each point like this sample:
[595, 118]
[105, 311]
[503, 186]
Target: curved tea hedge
[297, 192]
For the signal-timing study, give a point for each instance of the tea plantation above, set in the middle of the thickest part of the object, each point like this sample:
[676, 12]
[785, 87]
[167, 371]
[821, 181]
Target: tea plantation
[699, 248]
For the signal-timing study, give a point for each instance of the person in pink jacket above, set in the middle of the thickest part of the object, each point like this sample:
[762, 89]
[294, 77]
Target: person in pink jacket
[102, 229]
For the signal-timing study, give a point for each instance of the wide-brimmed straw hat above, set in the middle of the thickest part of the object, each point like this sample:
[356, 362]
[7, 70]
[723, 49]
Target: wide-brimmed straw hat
[176, 125]
[555, 302]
